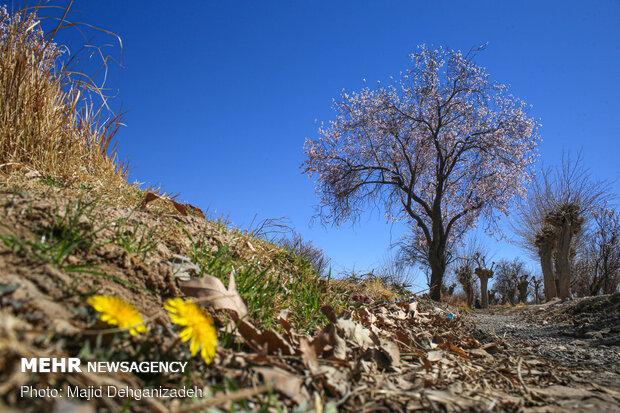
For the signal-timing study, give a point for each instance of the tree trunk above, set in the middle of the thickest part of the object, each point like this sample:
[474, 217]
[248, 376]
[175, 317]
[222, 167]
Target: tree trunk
[484, 296]
[545, 252]
[436, 281]
[437, 261]
[523, 291]
[563, 260]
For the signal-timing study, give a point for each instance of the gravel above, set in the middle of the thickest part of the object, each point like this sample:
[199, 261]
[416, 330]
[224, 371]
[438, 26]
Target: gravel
[585, 343]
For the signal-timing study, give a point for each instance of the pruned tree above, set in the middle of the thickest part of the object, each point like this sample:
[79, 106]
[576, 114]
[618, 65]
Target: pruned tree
[523, 287]
[560, 203]
[484, 272]
[536, 236]
[448, 289]
[436, 149]
[468, 259]
[545, 244]
[465, 277]
[536, 284]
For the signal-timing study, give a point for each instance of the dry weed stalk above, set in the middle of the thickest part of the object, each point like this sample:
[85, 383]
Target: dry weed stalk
[50, 120]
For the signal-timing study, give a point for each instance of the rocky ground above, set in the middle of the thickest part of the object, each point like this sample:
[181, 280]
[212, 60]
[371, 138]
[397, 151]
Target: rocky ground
[579, 338]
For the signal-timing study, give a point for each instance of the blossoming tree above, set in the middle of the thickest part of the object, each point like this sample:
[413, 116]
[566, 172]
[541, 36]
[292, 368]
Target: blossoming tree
[437, 149]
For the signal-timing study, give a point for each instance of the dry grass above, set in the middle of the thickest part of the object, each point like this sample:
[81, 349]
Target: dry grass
[371, 288]
[49, 121]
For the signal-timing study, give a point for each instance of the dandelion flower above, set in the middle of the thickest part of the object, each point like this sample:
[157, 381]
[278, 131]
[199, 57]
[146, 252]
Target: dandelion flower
[117, 312]
[198, 327]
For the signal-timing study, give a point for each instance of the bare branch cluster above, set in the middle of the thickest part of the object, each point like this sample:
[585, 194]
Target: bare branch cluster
[436, 149]
[561, 203]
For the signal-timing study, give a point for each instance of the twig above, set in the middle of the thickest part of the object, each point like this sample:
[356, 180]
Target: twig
[520, 376]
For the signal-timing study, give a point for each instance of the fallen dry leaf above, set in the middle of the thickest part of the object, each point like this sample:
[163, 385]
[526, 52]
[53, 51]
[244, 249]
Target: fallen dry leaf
[391, 349]
[329, 313]
[148, 197]
[434, 355]
[286, 383]
[355, 332]
[336, 380]
[308, 355]
[364, 316]
[479, 352]
[211, 291]
[455, 349]
[179, 207]
[327, 343]
[268, 340]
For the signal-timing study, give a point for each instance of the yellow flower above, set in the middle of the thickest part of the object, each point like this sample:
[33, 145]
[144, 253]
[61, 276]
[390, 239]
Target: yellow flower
[198, 327]
[117, 312]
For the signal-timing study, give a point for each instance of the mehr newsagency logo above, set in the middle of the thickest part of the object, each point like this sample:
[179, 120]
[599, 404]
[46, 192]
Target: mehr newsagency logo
[75, 365]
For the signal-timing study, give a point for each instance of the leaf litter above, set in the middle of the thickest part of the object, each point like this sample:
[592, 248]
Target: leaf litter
[396, 357]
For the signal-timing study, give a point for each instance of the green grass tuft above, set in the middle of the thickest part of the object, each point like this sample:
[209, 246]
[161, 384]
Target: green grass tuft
[69, 232]
[267, 289]
[135, 238]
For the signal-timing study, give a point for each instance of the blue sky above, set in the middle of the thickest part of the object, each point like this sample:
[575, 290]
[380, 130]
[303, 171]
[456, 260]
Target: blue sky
[220, 95]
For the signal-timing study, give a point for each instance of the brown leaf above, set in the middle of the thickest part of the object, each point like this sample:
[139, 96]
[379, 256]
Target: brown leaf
[399, 315]
[181, 208]
[385, 356]
[196, 210]
[268, 340]
[336, 380]
[283, 320]
[212, 291]
[328, 344]
[338, 345]
[413, 309]
[392, 350]
[455, 349]
[329, 313]
[355, 332]
[364, 316]
[308, 355]
[450, 402]
[479, 352]
[286, 383]
[148, 197]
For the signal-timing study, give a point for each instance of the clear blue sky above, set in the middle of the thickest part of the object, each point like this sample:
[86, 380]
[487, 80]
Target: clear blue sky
[220, 95]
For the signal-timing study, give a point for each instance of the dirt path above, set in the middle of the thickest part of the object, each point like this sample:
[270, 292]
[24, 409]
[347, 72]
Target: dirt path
[589, 360]
[583, 348]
